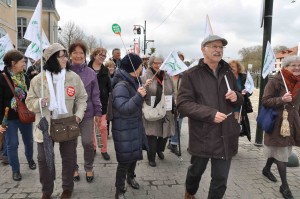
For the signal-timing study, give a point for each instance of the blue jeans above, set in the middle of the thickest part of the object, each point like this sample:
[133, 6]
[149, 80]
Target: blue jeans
[4, 149]
[12, 142]
[174, 138]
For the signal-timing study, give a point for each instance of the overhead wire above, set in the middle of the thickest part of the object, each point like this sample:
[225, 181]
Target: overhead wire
[167, 16]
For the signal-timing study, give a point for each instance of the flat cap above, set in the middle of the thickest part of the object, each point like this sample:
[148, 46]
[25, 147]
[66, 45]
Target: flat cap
[212, 38]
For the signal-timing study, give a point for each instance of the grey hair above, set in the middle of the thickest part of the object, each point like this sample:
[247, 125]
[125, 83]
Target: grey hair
[155, 56]
[288, 60]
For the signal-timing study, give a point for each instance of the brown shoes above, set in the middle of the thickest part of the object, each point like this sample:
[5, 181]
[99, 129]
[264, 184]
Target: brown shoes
[66, 194]
[188, 196]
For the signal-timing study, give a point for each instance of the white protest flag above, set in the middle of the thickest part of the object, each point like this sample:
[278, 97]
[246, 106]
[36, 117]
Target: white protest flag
[5, 46]
[269, 61]
[28, 64]
[33, 50]
[249, 84]
[173, 64]
[208, 29]
[33, 30]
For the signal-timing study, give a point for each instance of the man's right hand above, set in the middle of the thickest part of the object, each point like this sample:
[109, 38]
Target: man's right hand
[219, 117]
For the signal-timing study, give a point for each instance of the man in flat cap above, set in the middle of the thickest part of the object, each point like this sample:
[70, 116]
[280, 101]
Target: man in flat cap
[207, 96]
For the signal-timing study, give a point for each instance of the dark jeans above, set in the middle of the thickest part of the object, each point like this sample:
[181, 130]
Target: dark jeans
[68, 160]
[219, 175]
[124, 169]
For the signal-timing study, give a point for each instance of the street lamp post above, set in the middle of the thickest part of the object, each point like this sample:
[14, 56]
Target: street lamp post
[137, 30]
[56, 29]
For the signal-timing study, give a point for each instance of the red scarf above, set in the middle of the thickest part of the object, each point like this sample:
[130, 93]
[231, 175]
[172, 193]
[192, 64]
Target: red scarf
[292, 82]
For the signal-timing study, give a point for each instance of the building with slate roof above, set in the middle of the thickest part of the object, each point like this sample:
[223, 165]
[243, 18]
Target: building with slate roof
[16, 14]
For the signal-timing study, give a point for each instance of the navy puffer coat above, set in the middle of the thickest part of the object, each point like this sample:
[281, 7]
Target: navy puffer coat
[127, 124]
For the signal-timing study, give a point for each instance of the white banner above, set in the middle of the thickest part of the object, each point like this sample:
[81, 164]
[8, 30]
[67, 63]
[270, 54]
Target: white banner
[269, 61]
[208, 29]
[5, 46]
[249, 84]
[33, 50]
[33, 30]
[173, 64]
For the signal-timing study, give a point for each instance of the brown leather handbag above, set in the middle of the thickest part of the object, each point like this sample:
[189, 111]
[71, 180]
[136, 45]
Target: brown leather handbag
[25, 116]
[64, 129]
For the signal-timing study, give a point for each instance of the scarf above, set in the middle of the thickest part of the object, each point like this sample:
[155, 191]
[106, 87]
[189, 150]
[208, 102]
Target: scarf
[57, 97]
[159, 78]
[20, 88]
[292, 82]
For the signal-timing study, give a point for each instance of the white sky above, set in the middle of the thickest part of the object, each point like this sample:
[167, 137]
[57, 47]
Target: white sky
[236, 20]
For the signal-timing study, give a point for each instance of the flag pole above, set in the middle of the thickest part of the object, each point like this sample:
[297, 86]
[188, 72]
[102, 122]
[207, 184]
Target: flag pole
[41, 49]
[162, 65]
[286, 88]
[209, 24]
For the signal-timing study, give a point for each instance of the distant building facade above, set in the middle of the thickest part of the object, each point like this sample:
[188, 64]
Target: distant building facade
[284, 53]
[8, 19]
[15, 16]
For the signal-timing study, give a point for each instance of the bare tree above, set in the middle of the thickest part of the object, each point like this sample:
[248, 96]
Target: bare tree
[70, 33]
[251, 55]
[91, 42]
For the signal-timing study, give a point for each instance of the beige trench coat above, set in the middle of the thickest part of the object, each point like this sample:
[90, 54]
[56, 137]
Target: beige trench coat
[75, 102]
[164, 127]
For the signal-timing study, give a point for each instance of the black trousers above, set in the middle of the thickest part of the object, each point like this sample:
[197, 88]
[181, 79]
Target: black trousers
[156, 144]
[68, 160]
[219, 175]
[124, 169]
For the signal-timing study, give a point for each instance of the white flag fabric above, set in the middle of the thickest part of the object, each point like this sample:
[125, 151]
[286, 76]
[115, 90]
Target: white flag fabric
[5, 46]
[269, 61]
[173, 64]
[208, 29]
[33, 50]
[298, 53]
[28, 64]
[249, 84]
[33, 30]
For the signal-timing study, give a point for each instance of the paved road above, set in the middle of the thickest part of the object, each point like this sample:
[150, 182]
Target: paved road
[163, 182]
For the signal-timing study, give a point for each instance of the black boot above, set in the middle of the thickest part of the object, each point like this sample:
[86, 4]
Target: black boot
[132, 182]
[161, 145]
[120, 194]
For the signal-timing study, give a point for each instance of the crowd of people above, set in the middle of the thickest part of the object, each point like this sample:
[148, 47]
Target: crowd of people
[120, 88]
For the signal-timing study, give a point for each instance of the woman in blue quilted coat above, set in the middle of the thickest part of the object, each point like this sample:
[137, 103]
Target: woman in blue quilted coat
[127, 124]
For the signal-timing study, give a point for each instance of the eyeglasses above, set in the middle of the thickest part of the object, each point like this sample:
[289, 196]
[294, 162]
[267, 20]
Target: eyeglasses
[63, 56]
[101, 55]
[157, 63]
[214, 47]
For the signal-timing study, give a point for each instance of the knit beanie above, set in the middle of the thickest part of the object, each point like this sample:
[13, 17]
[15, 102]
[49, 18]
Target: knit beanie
[126, 64]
